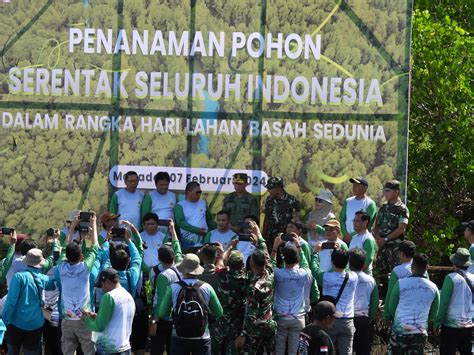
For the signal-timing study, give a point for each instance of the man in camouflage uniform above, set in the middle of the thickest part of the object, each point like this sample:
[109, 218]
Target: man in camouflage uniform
[280, 209]
[259, 330]
[240, 203]
[231, 291]
[389, 228]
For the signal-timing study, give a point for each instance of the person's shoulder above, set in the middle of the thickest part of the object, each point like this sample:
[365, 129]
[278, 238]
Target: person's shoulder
[230, 196]
[350, 199]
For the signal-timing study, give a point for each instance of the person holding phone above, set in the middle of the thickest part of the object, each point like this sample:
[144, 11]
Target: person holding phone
[332, 240]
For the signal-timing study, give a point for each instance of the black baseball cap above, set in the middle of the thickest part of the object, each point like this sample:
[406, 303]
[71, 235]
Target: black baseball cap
[107, 274]
[359, 180]
[323, 309]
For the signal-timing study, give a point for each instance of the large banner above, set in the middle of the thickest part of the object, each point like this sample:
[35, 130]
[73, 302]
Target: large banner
[312, 91]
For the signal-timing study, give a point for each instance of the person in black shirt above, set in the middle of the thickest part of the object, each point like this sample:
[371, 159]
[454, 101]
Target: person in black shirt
[313, 339]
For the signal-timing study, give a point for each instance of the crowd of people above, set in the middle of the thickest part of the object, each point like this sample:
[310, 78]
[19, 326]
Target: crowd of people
[156, 272]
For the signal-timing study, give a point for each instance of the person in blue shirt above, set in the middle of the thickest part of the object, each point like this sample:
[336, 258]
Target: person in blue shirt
[22, 312]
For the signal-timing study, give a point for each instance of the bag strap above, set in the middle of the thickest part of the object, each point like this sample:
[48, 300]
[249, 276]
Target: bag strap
[37, 288]
[467, 280]
[344, 283]
[176, 272]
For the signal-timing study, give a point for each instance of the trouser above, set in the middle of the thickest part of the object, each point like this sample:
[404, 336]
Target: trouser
[126, 352]
[30, 340]
[260, 337]
[342, 334]
[139, 334]
[409, 344]
[456, 338]
[74, 332]
[162, 338]
[362, 337]
[288, 330]
[51, 339]
[387, 259]
[181, 346]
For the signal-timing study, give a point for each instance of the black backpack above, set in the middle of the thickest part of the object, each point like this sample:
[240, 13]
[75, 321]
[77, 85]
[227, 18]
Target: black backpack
[190, 315]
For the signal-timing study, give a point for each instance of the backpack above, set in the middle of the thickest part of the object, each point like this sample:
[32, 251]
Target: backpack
[190, 314]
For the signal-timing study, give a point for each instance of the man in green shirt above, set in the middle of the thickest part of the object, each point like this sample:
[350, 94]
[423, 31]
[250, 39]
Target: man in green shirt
[363, 239]
[240, 203]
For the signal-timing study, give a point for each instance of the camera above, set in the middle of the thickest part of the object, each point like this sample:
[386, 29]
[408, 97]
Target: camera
[164, 222]
[118, 233]
[85, 216]
[50, 232]
[8, 231]
[83, 227]
[287, 237]
[243, 225]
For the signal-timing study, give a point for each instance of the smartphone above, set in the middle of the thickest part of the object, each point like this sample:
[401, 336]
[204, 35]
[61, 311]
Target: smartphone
[328, 245]
[244, 237]
[243, 225]
[55, 256]
[164, 222]
[118, 232]
[7, 231]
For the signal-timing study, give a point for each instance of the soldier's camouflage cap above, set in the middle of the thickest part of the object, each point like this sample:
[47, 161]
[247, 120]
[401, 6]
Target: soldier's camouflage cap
[273, 182]
[240, 178]
[392, 185]
[236, 260]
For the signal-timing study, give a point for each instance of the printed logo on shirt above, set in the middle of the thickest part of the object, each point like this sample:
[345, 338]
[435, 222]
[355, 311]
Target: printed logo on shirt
[324, 349]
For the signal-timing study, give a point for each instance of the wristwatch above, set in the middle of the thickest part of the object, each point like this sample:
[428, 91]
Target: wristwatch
[386, 239]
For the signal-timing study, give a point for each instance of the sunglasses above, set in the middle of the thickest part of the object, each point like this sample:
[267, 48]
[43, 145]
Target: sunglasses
[331, 229]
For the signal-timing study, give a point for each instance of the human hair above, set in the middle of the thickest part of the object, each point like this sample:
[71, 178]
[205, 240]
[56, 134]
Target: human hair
[253, 218]
[357, 259]
[208, 254]
[162, 175]
[128, 174]
[339, 258]
[191, 186]
[120, 259]
[297, 224]
[290, 255]
[26, 245]
[420, 262]
[364, 216]
[73, 253]
[150, 215]
[259, 258]
[227, 213]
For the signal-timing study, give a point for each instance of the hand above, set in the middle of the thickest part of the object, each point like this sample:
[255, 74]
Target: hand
[220, 248]
[86, 314]
[13, 237]
[202, 231]
[93, 217]
[233, 243]
[254, 238]
[380, 242]
[239, 342]
[128, 236]
[436, 330]
[296, 238]
[254, 228]
[152, 330]
[171, 226]
[318, 247]
[337, 245]
[74, 222]
[277, 242]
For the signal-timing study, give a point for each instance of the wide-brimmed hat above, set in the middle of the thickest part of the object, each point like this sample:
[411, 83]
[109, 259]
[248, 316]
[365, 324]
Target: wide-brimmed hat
[34, 258]
[325, 195]
[332, 223]
[190, 265]
[461, 258]
[108, 216]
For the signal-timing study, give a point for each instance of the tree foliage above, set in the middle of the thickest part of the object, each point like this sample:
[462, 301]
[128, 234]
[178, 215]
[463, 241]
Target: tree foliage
[441, 165]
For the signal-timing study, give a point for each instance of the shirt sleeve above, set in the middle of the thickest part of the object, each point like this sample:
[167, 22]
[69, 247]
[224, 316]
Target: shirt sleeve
[207, 238]
[7, 263]
[369, 247]
[446, 293]
[342, 218]
[146, 205]
[161, 287]
[316, 270]
[89, 258]
[215, 307]
[391, 284]
[371, 211]
[374, 303]
[104, 316]
[177, 250]
[434, 307]
[254, 207]
[166, 305]
[113, 207]
[12, 299]
[135, 263]
[393, 303]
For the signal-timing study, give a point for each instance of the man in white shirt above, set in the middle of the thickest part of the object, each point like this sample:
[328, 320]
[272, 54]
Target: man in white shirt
[161, 201]
[113, 324]
[359, 202]
[152, 239]
[222, 234]
[363, 239]
[127, 202]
